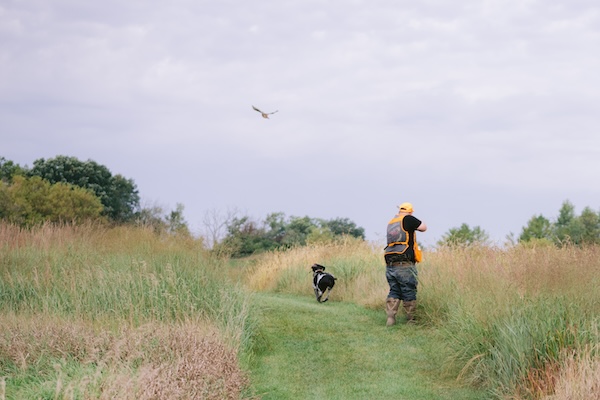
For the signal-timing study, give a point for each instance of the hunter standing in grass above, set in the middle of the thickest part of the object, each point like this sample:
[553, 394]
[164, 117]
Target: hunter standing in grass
[401, 257]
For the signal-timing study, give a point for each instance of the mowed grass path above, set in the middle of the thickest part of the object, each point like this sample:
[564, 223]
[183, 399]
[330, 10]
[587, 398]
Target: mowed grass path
[336, 350]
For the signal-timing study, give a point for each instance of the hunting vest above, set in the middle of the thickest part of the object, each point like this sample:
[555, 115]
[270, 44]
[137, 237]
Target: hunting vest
[398, 239]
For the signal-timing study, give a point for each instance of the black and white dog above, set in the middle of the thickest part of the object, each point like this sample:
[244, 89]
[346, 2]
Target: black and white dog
[323, 282]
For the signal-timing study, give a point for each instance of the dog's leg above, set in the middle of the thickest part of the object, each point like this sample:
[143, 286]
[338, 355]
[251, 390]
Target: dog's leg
[325, 295]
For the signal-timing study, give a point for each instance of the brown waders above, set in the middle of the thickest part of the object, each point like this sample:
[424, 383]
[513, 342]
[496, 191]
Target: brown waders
[409, 308]
[391, 309]
[402, 278]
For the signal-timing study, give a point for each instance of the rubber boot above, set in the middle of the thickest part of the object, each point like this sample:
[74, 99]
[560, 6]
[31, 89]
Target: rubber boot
[391, 309]
[409, 308]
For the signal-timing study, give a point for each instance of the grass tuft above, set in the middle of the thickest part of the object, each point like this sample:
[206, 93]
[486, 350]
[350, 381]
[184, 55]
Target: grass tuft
[77, 360]
[97, 312]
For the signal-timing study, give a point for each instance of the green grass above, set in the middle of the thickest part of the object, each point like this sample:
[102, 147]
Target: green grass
[508, 319]
[166, 286]
[338, 350]
[97, 312]
[522, 349]
[116, 313]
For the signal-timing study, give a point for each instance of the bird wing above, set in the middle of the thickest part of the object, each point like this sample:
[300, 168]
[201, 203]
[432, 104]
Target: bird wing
[257, 109]
[274, 112]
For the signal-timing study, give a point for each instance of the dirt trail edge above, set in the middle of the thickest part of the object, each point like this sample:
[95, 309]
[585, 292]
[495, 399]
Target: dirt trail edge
[335, 350]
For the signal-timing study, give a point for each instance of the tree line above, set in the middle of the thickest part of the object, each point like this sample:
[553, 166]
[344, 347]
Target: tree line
[567, 229]
[245, 236]
[65, 189]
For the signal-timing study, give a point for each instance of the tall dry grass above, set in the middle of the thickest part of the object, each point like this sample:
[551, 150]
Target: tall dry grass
[506, 317]
[355, 264]
[78, 360]
[578, 377]
[99, 312]
[510, 315]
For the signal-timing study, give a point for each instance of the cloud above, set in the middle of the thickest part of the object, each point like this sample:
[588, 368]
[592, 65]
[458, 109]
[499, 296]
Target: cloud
[488, 105]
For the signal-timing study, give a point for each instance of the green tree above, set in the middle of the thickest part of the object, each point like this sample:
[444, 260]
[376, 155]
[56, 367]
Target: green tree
[580, 230]
[590, 226]
[343, 226]
[6, 201]
[151, 217]
[320, 235]
[176, 222]
[29, 201]
[172, 223]
[123, 199]
[8, 169]
[245, 236]
[118, 195]
[565, 228]
[297, 231]
[277, 226]
[464, 236]
[569, 228]
[538, 227]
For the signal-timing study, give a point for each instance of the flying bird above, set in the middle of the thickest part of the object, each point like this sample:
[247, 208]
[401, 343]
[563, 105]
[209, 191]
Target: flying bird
[264, 114]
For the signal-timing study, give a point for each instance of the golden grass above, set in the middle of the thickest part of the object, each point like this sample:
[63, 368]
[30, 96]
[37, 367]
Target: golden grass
[93, 236]
[155, 361]
[354, 263]
[491, 281]
[579, 377]
[488, 275]
[124, 355]
[98, 312]
[482, 290]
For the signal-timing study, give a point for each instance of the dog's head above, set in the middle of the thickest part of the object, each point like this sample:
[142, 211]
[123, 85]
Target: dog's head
[317, 268]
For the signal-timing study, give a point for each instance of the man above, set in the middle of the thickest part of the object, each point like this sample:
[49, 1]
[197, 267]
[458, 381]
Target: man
[401, 255]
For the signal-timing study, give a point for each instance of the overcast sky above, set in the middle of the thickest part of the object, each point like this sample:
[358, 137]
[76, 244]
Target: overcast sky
[477, 112]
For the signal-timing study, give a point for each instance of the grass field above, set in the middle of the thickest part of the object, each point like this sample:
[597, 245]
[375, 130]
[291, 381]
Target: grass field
[98, 313]
[344, 351]
[520, 322]
[93, 312]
